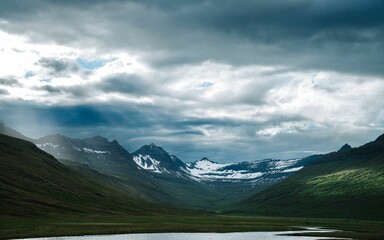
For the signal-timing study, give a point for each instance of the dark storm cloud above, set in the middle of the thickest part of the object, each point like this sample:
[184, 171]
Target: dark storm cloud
[344, 35]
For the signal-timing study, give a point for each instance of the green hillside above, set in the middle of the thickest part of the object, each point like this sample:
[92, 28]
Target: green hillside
[41, 197]
[34, 183]
[345, 184]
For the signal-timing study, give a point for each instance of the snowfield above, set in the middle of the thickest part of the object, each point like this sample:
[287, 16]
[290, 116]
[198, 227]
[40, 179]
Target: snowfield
[148, 163]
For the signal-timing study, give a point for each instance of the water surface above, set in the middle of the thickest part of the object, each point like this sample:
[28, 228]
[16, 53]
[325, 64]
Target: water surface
[200, 236]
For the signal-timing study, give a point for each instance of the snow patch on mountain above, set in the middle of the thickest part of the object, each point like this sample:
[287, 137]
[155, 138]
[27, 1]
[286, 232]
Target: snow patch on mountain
[46, 145]
[292, 169]
[206, 165]
[282, 164]
[147, 163]
[88, 150]
[207, 170]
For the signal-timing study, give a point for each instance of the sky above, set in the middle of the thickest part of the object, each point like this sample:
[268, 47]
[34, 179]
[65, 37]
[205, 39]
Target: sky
[228, 80]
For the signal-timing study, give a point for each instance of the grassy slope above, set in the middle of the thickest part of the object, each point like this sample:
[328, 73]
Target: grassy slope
[339, 185]
[157, 188]
[34, 183]
[41, 197]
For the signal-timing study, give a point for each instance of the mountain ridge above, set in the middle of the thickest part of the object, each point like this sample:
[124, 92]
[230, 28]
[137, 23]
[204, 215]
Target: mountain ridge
[346, 184]
[173, 185]
[155, 175]
[34, 183]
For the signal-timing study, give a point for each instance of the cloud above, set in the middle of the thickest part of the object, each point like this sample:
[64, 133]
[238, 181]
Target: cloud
[4, 92]
[299, 34]
[230, 81]
[123, 83]
[9, 82]
[58, 67]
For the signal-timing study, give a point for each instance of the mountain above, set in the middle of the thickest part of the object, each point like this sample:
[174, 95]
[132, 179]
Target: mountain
[96, 152]
[111, 159]
[33, 183]
[343, 184]
[11, 132]
[229, 182]
[345, 147]
[155, 175]
[254, 171]
[156, 159]
[152, 174]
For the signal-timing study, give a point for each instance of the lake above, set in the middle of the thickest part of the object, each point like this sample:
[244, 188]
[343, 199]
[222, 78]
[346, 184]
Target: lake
[199, 236]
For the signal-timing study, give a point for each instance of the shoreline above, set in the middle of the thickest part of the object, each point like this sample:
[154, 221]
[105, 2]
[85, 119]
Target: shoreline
[27, 228]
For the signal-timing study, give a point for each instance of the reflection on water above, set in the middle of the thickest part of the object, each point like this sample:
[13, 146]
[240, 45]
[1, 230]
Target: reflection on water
[200, 236]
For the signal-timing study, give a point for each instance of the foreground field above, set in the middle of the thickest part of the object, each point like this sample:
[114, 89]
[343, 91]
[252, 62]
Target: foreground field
[12, 227]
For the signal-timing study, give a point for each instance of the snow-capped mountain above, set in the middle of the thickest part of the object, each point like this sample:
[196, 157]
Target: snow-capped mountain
[96, 152]
[155, 159]
[111, 158]
[153, 174]
[207, 170]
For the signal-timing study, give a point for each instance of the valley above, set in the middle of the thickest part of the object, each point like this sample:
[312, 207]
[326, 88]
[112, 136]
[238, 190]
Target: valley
[56, 185]
[152, 174]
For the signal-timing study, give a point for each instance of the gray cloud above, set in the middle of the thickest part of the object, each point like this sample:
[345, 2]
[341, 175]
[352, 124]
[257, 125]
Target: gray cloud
[123, 83]
[9, 82]
[79, 92]
[4, 92]
[206, 91]
[344, 36]
[59, 67]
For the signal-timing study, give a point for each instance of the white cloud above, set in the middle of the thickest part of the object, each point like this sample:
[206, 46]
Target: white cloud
[242, 87]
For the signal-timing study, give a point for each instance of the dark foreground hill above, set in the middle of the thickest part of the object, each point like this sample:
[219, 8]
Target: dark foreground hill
[33, 183]
[344, 184]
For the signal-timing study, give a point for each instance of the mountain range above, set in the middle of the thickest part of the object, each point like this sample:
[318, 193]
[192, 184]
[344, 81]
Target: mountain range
[347, 183]
[111, 158]
[152, 174]
[154, 167]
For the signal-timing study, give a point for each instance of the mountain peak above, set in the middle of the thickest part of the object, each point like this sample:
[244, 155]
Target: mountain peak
[345, 148]
[206, 160]
[155, 158]
[153, 148]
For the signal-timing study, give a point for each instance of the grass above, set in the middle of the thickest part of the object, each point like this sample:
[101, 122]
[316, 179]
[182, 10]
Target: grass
[17, 227]
[347, 185]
